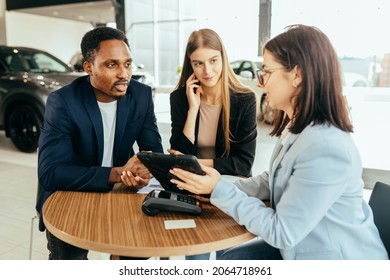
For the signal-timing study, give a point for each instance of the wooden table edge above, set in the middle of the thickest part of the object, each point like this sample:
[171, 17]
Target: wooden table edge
[149, 251]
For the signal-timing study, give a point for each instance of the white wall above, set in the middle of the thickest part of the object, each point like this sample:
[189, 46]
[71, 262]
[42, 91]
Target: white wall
[357, 28]
[2, 23]
[59, 37]
[236, 22]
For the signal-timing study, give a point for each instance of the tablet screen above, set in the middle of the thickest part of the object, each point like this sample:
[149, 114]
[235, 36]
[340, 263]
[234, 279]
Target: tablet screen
[159, 165]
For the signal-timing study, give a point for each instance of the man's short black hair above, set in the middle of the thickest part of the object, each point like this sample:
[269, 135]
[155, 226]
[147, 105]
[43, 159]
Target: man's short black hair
[90, 43]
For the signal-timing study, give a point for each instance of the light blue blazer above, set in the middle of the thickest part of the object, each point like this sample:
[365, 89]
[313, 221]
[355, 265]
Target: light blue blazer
[316, 190]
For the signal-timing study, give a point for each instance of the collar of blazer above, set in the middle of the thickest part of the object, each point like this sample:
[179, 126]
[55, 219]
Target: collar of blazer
[278, 154]
[280, 150]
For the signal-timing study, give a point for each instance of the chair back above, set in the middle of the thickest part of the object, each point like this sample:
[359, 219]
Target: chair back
[380, 205]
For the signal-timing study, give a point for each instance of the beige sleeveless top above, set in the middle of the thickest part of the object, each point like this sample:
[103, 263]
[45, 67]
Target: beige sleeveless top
[208, 124]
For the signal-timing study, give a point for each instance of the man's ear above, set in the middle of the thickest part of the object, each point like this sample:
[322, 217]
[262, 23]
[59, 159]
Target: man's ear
[297, 79]
[87, 67]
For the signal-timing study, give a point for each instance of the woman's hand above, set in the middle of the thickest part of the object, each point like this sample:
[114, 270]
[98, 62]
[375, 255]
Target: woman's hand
[202, 198]
[197, 184]
[174, 152]
[193, 91]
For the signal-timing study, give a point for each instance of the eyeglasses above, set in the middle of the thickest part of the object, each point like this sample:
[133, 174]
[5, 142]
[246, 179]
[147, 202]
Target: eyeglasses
[261, 72]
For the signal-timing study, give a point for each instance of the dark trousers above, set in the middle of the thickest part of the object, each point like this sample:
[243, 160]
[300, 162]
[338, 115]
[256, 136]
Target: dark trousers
[254, 250]
[60, 250]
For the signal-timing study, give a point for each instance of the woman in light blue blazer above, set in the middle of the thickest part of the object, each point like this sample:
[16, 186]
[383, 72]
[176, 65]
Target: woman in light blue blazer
[314, 181]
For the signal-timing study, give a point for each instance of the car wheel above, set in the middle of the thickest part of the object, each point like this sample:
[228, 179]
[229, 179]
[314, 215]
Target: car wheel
[266, 113]
[24, 128]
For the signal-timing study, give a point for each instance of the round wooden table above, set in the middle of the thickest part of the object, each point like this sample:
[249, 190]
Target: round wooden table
[114, 223]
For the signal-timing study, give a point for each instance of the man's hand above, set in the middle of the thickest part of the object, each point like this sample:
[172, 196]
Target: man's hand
[136, 182]
[135, 174]
[135, 166]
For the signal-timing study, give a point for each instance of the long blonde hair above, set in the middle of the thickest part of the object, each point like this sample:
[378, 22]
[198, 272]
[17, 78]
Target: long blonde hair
[208, 38]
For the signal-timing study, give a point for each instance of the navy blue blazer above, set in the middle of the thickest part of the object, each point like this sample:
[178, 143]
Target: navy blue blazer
[71, 141]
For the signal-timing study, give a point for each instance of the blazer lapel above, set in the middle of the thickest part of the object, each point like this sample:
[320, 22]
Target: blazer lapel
[96, 119]
[283, 149]
[122, 113]
[275, 153]
[277, 156]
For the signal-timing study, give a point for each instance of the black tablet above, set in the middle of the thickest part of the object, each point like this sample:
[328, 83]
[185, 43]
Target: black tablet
[159, 165]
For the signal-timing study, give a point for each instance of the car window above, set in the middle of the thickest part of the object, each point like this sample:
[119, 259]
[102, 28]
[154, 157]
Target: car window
[25, 61]
[2, 67]
[248, 67]
[16, 63]
[236, 66]
[40, 62]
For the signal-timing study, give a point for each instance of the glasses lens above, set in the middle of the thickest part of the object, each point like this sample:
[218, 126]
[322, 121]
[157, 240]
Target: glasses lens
[260, 77]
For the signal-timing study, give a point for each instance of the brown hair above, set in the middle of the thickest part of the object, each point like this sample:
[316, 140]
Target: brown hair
[321, 99]
[208, 38]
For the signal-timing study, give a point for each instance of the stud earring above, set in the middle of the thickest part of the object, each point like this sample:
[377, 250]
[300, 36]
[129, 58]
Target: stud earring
[295, 84]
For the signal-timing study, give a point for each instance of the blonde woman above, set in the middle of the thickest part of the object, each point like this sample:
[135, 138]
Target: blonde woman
[213, 115]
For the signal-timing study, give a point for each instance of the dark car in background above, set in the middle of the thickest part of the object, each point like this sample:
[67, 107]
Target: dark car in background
[245, 70]
[27, 77]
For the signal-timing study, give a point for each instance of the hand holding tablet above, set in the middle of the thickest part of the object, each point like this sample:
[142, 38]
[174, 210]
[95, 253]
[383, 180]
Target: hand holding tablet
[159, 165]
